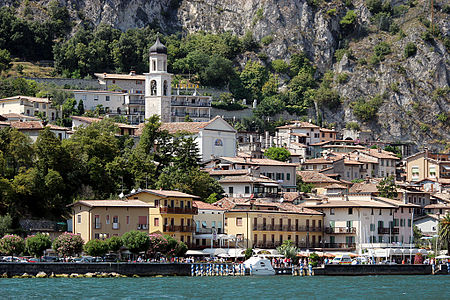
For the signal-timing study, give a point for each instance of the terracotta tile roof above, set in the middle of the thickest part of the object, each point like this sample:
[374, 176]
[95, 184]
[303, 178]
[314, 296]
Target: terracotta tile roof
[247, 178]
[191, 127]
[322, 160]
[299, 134]
[5, 123]
[204, 205]
[28, 98]
[345, 146]
[315, 177]
[291, 196]
[363, 187]
[352, 162]
[165, 193]
[442, 205]
[120, 76]
[241, 204]
[349, 203]
[29, 125]
[98, 92]
[442, 196]
[378, 153]
[213, 172]
[19, 116]
[56, 127]
[256, 161]
[336, 186]
[397, 203]
[297, 124]
[90, 120]
[111, 203]
[320, 143]
[299, 145]
[327, 130]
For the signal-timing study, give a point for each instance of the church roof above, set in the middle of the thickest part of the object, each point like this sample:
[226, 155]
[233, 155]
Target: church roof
[158, 47]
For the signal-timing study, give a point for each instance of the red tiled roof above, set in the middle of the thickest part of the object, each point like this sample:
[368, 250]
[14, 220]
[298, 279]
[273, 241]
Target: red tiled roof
[28, 98]
[378, 153]
[213, 172]
[256, 161]
[322, 160]
[29, 125]
[89, 120]
[204, 205]
[165, 193]
[297, 124]
[315, 177]
[111, 203]
[247, 178]
[363, 187]
[120, 76]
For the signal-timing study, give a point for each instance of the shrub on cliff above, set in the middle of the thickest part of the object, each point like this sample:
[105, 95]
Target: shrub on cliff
[11, 244]
[68, 244]
[37, 244]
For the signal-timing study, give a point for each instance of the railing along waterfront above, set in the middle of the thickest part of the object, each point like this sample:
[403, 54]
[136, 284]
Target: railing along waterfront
[178, 210]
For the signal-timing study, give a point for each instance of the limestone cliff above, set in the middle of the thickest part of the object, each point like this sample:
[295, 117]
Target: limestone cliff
[415, 89]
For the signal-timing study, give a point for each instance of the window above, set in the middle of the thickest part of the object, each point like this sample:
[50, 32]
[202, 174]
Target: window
[396, 222]
[107, 98]
[79, 219]
[153, 88]
[95, 98]
[238, 221]
[372, 212]
[97, 221]
[380, 239]
[115, 222]
[331, 211]
[156, 203]
[107, 219]
[409, 222]
[379, 213]
[247, 189]
[230, 190]
[372, 227]
[415, 173]
[349, 224]
[213, 224]
[382, 162]
[288, 176]
[128, 220]
[350, 210]
[433, 171]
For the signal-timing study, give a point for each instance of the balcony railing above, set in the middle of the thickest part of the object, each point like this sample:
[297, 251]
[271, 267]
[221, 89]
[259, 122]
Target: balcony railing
[337, 230]
[303, 245]
[387, 230]
[196, 104]
[270, 227]
[178, 228]
[178, 210]
[115, 226]
[142, 226]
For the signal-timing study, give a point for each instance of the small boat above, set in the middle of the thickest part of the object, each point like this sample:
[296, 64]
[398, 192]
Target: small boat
[259, 266]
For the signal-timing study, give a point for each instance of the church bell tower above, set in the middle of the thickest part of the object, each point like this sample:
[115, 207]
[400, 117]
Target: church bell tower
[158, 84]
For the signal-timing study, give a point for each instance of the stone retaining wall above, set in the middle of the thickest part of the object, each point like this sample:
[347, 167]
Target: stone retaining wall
[129, 269]
[355, 270]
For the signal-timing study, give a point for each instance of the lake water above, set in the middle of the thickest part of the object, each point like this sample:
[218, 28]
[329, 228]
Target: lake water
[249, 287]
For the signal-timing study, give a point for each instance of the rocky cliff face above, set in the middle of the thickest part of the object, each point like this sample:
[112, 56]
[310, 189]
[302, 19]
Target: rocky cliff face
[415, 89]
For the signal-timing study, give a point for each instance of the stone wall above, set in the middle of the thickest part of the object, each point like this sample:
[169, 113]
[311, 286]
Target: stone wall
[355, 270]
[141, 269]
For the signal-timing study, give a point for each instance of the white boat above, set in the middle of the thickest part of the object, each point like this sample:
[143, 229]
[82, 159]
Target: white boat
[259, 266]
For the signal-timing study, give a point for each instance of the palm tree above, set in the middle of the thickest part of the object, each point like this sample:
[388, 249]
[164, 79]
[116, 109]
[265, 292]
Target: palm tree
[444, 231]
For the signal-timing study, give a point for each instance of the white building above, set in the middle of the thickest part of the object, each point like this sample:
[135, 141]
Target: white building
[246, 186]
[28, 106]
[358, 222]
[385, 161]
[33, 128]
[158, 93]
[214, 138]
[209, 224]
[112, 102]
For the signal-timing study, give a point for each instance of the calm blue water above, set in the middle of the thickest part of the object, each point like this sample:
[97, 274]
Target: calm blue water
[249, 287]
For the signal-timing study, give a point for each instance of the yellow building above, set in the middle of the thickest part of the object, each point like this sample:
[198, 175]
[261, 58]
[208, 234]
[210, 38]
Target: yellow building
[152, 211]
[101, 219]
[170, 212]
[265, 224]
[427, 165]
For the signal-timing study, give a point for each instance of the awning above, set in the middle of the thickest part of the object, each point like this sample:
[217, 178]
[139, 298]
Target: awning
[194, 252]
[269, 184]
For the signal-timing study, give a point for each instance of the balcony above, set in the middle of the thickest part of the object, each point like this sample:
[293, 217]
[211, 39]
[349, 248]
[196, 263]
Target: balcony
[115, 226]
[178, 228]
[192, 115]
[136, 102]
[387, 230]
[142, 226]
[340, 230]
[196, 104]
[178, 210]
[287, 228]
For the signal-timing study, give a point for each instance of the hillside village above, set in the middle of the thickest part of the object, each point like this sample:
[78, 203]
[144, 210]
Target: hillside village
[318, 187]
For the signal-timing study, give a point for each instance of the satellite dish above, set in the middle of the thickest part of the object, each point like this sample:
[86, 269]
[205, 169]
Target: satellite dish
[121, 195]
[133, 191]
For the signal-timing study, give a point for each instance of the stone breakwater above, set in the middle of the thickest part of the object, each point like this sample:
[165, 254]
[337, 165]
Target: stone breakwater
[93, 269]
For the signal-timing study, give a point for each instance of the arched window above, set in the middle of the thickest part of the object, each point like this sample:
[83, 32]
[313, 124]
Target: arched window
[165, 88]
[153, 87]
[154, 65]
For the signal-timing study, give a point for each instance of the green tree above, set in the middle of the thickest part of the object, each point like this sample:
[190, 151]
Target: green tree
[80, 108]
[277, 153]
[444, 231]
[96, 247]
[37, 244]
[303, 186]
[288, 250]
[387, 187]
[5, 222]
[136, 241]
[248, 253]
[114, 243]
[253, 78]
[270, 106]
[5, 60]
[68, 244]
[410, 49]
[348, 21]
[12, 245]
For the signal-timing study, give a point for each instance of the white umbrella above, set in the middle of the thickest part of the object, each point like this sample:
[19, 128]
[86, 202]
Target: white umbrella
[443, 257]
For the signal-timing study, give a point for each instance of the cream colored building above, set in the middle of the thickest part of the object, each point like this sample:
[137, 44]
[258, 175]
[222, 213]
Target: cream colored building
[265, 224]
[209, 224]
[426, 165]
[152, 211]
[101, 219]
[28, 106]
